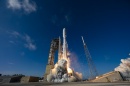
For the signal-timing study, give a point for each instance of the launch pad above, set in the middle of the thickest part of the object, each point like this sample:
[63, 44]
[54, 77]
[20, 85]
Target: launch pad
[67, 84]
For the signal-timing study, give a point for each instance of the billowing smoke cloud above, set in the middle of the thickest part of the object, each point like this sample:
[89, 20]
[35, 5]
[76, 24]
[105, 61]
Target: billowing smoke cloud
[78, 66]
[61, 73]
[124, 68]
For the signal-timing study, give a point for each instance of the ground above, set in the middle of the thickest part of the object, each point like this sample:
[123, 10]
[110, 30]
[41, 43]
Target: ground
[67, 84]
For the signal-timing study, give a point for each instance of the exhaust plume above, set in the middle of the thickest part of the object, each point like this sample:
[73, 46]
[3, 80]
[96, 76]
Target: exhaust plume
[124, 68]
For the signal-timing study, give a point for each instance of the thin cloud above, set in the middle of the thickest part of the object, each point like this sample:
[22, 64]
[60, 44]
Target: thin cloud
[22, 54]
[67, 18]
[10, 63]
[28, 42]
[14, 4]
[16, 34]
[26, 5]
[12, 42]
[29, 7]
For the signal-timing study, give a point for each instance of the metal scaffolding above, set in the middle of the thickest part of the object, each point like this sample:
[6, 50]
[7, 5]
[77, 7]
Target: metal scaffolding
[92, 69]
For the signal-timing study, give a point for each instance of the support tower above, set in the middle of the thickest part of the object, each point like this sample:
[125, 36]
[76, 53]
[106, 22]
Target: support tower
[55, 44]
[92, 69]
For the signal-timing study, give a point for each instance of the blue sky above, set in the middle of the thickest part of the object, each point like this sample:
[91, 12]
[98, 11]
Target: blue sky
[28, 26]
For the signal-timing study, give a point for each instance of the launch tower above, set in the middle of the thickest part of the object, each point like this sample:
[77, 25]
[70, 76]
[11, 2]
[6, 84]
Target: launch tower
[55, 44]
[92, 68]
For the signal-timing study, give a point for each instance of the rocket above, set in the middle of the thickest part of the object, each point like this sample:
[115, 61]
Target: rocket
[64, 44]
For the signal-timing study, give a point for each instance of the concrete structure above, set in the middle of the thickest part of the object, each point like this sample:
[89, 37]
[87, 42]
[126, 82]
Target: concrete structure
[48, 69]
[10, 79]
[113, 76]
[27, 79]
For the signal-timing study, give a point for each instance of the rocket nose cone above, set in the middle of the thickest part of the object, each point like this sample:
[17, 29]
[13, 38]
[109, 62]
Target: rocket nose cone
[63, 32]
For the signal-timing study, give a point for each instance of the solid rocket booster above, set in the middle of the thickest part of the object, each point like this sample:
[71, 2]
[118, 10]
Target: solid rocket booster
[64, 44]
[59, 52]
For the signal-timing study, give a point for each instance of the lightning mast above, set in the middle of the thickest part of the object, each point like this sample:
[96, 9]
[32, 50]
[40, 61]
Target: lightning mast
[92, 68]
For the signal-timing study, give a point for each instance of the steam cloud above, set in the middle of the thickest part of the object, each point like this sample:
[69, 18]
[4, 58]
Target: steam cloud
[124, 68]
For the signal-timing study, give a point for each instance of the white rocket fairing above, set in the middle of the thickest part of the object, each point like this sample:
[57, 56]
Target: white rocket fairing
[64, 44]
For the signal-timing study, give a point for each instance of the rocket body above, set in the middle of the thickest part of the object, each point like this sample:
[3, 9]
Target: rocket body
[64, 44]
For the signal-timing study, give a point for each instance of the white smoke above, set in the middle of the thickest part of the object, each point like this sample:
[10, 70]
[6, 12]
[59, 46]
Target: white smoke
[60, 73]
[124, 68]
